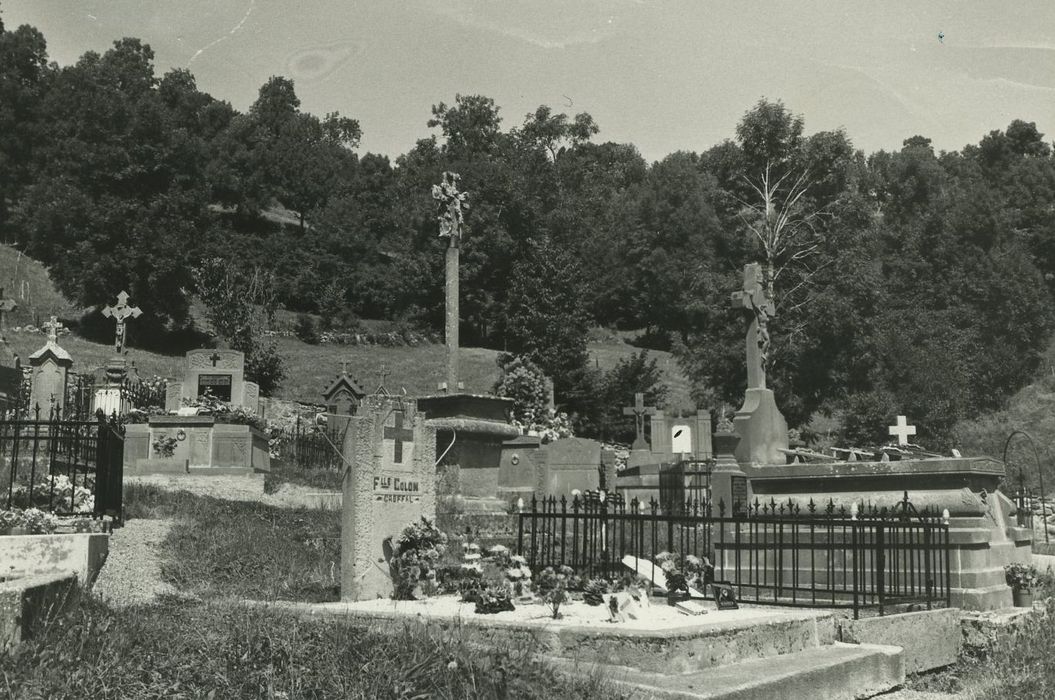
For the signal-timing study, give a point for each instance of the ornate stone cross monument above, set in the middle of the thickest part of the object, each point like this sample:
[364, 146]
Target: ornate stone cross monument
[753, 298]
[121, 312]
[6, 305]
[762, 429]
[639, 410]
[53, 327]
[452, 202]
[902, 430]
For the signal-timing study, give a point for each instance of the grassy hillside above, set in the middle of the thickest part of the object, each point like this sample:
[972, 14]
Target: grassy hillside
[310, 367]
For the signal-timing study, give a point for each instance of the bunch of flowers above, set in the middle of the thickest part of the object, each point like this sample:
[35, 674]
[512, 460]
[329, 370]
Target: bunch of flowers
[684, 572]
[414, 560]
[223, 412]
[513, 567]
[33, 520]
[57, 489]
[545, 423]
[552, 587]
[1022, 577]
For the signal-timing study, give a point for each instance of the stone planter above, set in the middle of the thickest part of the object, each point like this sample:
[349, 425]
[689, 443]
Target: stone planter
[1022, 597]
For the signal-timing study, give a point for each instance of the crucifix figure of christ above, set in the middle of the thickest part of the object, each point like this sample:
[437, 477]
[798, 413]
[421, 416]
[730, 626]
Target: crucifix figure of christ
[639, 410]
[6, 305]
[53, 327]
[452, 204]
[753, 298]
[121, 313]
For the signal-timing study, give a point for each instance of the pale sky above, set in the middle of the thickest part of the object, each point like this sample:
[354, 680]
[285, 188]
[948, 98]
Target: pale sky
[662, 74]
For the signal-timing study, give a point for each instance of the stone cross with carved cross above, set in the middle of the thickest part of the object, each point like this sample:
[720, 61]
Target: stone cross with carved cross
[6, 305]
[639, 410]
[53, 327]
[902, 430]
[121, 312]
[753, 298]
[452, 206]
[399, 434]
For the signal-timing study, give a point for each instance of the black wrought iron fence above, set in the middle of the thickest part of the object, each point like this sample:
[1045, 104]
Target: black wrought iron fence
[311, 447]
[64, 466]
[775, 553]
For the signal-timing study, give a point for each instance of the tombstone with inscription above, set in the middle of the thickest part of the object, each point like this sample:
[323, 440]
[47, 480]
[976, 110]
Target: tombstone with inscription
[202, 444]
[390, 483]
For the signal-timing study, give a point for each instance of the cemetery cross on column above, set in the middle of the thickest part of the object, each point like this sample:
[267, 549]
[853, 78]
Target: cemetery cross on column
[53, 327]
[753, 298]
[639, 410]
[121, 312]
[452, 221]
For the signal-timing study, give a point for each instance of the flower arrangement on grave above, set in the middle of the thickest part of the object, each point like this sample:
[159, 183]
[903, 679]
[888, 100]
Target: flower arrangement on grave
[682, 572]
[31, 521]
[1022, 577]
[595, 590]
[552, 587]
[414, 560]
[224, 412]
[164, 445]
[57, 489]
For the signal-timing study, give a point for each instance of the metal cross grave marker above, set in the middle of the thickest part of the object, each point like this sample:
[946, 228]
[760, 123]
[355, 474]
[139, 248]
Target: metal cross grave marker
[399, 434]
[902, 430]
[639, 410]
[121, 312]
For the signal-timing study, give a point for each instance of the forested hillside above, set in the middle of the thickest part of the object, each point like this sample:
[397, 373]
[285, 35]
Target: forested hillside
[908, 281]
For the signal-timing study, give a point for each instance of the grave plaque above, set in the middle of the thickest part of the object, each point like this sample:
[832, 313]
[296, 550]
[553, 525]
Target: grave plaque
[219, 385]
[389, 483]
[738, 488]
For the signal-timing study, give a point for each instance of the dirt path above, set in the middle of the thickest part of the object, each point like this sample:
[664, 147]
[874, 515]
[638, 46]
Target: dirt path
[132, 572]
[242, 488]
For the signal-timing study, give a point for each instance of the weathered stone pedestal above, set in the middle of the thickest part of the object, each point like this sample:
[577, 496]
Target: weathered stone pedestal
[202, 446]
[762, 429]
[729, 489]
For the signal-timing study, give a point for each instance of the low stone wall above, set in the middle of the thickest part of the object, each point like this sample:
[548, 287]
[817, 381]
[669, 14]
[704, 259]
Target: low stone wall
[29, 600]
[80, 553]
[930, 638]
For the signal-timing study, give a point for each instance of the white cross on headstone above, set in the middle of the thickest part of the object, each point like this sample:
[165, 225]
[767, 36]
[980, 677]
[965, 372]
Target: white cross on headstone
[902, 430]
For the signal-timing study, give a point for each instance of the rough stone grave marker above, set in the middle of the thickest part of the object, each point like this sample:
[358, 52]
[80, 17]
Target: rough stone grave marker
[389, 483]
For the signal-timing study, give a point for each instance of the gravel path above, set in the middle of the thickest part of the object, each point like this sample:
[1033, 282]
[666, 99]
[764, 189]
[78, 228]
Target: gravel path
[132, 572]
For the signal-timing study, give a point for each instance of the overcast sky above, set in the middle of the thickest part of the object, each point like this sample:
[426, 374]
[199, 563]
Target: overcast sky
[662, 74]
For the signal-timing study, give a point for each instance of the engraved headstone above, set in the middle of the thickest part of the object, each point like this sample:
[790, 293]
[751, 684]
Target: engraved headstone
[389, 483]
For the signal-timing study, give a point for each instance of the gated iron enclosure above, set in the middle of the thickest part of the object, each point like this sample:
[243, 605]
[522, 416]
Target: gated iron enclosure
[776, 553]
[55, 464]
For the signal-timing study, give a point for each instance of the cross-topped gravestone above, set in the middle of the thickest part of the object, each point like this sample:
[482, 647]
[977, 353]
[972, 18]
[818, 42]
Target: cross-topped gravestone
[6, 305]
[753, 298]
[398, 434]
[902, 430]
[639, 410]
[344, 366]
[121, 312]
[452, 204]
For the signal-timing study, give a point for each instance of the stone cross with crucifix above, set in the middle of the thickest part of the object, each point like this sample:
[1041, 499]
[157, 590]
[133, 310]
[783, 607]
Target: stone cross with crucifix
[121, 312]
[639, 410]
[753, 298]
[6, 305]
[452, 204]
[53, 327]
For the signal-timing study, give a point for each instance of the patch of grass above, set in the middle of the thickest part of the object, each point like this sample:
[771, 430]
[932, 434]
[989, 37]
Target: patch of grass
[234, 549]
[285, 473]
[177, 649]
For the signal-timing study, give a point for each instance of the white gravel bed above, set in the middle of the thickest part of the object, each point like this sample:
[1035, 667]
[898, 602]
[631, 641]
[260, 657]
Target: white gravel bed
[658, 616]
[132, 572]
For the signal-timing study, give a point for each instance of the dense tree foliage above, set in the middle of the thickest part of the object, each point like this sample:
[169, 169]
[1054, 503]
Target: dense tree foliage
[909, 280]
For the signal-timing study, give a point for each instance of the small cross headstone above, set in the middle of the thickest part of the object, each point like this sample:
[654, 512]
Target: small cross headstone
[121, 312]
[902, 430]
[639, 410]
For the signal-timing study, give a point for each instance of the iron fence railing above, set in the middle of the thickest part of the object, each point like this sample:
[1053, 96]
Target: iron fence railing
[772, 553]
[310, 447]
[61, 465]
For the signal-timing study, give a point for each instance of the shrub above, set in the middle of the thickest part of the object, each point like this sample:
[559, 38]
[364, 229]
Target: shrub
[306, 330]
[552, 587]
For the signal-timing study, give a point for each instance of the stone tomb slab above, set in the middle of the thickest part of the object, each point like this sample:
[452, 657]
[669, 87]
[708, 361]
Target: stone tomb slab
[390, 483]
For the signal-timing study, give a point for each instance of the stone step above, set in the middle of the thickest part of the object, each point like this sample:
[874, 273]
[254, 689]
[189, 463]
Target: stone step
[834, 672]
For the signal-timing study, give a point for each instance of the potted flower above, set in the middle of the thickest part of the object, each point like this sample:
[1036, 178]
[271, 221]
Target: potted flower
[1022, 578]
